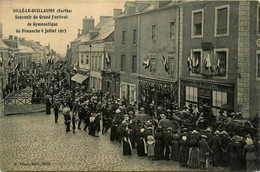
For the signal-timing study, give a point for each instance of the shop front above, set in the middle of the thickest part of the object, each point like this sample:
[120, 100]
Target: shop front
[110, 82]
[217, 95]
[80, 80]
[160, 92]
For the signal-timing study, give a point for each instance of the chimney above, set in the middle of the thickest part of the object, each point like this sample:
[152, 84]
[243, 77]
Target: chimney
[37, 42]
[1, 30]
[78, 32]
[15, 38]
[11, 37]
[130, 8]
[87, 24]
[93, 32]
[103, 17]
[68, 47]
[117, 12]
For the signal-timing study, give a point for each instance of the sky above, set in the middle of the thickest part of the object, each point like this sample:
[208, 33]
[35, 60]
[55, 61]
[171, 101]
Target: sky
[58, 41]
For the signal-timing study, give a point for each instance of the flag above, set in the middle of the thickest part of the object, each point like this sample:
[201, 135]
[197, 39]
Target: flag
[193, 61]
[165, 63]
[107, 58]
[197, 62]
[1, 62]
[17, 67]
[189, 64]
[207, 62]
[146, 63]
[218, 64]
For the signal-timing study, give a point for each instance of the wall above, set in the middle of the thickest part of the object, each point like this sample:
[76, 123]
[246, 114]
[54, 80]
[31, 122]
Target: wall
[162, 45]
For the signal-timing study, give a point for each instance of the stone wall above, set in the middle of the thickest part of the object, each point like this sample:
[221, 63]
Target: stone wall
[243, 81]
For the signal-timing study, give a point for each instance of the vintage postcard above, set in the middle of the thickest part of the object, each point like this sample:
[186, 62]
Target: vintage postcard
[138, 85]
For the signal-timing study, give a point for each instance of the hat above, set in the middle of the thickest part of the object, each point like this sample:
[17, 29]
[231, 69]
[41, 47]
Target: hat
[141, 108]
[217, 132]
[162, 116]
[142, 130]
[249, 141]
[208, 129]
[194, 131]
[150, 139]
[149, 128]
[237, 138]
[118, 111]
[130, 112]
[204, 136]
[169, 128]
[185, 129]
[184, 138]
[168, 110]
[224, 132]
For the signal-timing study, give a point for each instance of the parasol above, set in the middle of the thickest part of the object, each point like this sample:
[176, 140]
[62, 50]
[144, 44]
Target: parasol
[142, 117]
[165, 123]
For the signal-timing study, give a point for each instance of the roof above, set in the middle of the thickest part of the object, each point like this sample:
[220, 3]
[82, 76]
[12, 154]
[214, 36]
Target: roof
[106, 26]
[79, 38]
[2, 44]
[25, 49]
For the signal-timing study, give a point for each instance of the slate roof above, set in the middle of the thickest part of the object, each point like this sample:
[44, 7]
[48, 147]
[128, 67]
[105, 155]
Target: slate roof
[106, 26]
[2, 44]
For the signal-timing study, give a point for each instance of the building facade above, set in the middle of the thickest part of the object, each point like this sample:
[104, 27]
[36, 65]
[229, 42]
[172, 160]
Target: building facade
[218, 53]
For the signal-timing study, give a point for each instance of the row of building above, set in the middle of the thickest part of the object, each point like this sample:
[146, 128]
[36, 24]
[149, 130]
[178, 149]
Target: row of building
[17, 56]
[187, 52]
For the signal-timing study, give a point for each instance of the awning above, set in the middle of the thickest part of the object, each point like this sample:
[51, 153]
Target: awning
[79, 78]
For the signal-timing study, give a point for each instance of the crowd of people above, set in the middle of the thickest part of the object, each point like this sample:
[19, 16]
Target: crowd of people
[195, 137]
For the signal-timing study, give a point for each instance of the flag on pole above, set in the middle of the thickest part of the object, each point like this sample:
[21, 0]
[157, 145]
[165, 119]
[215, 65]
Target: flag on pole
[207, 62]
[146, 63]
[189, 64]
[107, 58]
[165, 63]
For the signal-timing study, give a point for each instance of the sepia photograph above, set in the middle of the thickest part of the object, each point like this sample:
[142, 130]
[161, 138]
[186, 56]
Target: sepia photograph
[129, 85]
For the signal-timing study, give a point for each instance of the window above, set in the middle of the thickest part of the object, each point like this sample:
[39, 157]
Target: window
[191, 95]
[172, 29]
[100, 62]
[219, 98]
[87, 59]
[152, 63]
[258, 66]
[134, 64]
[123, 37]
[196, 61]
[128, 91]
[134, 36]
[122, 62]
[221, 56]
[258, 19]
[153, 31]
[222, 20]
[171, 61]
[82, 59]
[197, 23]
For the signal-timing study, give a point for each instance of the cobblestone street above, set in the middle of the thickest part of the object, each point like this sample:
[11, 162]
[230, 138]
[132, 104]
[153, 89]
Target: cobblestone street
[35, 142]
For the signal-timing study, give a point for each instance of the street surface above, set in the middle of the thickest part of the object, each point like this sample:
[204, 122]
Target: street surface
[35, 142]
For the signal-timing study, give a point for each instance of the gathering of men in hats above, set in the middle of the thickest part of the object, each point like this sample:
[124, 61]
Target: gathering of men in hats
[193, 136]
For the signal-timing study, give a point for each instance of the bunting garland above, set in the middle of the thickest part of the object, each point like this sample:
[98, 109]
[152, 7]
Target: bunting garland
[165, 63]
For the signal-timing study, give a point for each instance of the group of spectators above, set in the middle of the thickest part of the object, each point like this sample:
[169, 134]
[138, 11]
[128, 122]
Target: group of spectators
[196, 138]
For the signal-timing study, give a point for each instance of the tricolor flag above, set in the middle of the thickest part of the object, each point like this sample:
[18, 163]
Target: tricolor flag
[107, 58]
[189, 64]
[207, 62]
[165, 63]
[146, 63]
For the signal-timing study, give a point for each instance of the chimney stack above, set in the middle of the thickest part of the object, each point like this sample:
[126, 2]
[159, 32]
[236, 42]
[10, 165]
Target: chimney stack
[88, 24]
[1, 31]
[68, 47]
[117, 12]
[15, 38]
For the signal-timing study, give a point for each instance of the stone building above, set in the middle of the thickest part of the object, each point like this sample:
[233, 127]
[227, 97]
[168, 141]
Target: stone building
[219, 55]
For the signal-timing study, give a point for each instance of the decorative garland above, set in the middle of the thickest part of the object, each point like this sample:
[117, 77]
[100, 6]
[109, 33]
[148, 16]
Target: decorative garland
[158, 86]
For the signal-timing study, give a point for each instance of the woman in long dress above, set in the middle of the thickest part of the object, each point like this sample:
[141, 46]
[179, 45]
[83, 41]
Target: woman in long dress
[193, 160]
[126, 143]
[141, 143]
[249, 153]
[150, 147]
[184, 151]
